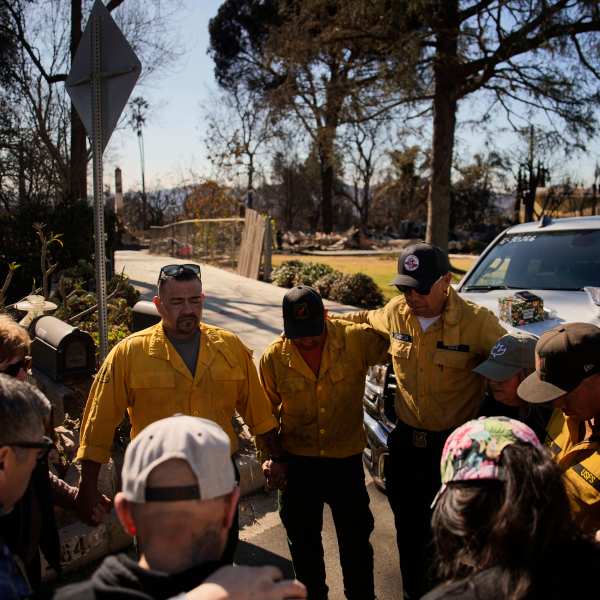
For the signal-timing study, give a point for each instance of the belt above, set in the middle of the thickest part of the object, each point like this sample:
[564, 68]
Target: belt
[422, 438]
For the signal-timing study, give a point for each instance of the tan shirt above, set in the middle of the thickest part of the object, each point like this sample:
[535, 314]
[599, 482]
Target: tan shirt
[437, 389]
[578, 456]
[322, 415]
[145, 376]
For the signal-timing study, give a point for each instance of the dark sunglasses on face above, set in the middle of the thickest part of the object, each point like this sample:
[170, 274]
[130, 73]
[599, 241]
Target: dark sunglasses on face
[44, 446]
[14, 369]
[177, 270]
[422, 291]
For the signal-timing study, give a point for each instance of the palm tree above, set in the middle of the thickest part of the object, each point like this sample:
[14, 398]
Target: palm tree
[137, 119]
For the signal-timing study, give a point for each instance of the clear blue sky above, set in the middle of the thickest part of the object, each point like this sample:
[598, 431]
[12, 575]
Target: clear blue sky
[173, 135]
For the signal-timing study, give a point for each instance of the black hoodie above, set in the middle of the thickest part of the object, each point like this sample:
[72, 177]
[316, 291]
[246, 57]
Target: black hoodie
[121, 577]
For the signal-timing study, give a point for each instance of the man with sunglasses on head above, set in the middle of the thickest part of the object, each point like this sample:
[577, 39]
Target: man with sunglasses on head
[23, 410]
[180, 365]
[436, 339]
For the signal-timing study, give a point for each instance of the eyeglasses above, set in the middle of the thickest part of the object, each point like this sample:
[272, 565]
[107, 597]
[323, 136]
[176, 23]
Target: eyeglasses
[406, 289]
[44, 446]
[14, 369]
[178, 270]
[422, 290]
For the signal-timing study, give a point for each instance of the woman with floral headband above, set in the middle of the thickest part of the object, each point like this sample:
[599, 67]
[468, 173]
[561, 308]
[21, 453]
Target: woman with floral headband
[502, 525]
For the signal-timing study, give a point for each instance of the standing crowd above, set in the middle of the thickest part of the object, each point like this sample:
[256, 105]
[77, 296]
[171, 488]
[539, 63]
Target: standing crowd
[493, 472]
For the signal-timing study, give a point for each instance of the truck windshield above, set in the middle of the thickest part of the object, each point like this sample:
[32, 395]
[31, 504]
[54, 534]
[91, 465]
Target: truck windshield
[551, 260]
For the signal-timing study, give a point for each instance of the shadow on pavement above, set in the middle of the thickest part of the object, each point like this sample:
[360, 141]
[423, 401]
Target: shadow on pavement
[250, 554]
[231, 309]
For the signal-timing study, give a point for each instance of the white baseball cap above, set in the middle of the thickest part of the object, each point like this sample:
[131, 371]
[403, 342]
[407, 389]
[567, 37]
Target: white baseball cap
[200, 442]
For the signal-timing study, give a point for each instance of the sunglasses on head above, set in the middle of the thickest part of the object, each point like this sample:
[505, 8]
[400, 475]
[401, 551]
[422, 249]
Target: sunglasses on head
[44, 446]
[14, 369]
[178, 270]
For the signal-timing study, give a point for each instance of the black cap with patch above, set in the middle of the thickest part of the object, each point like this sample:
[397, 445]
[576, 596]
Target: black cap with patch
[303, 313]
[564, 357]
[421, 265]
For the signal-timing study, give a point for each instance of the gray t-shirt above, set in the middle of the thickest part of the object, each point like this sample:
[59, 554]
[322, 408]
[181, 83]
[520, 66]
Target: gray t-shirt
[188, 350]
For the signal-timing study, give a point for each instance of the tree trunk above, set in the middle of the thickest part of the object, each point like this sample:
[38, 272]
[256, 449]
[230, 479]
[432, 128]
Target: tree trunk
[444, 124]
[250, 186]
[78, 167]
[364, 213]
[327, 176]
[21, 159]
[529, 202]
[517, 210]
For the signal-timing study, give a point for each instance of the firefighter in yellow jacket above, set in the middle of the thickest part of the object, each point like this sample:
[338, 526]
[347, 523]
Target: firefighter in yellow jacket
[436, 339]
[314, 376]
[179, 365]
[568, 375]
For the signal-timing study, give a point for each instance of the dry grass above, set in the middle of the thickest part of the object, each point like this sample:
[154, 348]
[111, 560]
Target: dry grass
[381, 268]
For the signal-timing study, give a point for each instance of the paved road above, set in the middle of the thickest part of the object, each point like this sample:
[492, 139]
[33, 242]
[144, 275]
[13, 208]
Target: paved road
[252, 309]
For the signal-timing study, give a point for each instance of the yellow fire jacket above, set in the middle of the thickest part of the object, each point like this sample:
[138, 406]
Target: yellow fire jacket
[437, 388]
[580, 461]
[322, 416]
[145, 376]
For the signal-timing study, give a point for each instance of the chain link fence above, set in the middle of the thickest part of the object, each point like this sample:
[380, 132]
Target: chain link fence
[215, 241]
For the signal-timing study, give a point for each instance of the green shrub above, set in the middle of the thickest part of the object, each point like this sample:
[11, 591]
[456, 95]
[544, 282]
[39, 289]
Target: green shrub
[295, 272]
[310, 272]
[324, 283]
[357, 289]
[285, 274]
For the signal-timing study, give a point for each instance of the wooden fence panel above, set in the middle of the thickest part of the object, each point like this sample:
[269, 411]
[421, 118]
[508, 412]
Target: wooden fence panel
[251, 247]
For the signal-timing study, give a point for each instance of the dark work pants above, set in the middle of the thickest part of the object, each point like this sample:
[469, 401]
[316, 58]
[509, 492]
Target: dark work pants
[339, 482]
[234, 531]
[412, 477]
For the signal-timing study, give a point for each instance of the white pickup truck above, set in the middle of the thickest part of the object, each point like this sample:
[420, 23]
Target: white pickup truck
[557, 260]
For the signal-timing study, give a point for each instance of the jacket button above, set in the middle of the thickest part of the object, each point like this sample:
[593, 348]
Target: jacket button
[321, 431]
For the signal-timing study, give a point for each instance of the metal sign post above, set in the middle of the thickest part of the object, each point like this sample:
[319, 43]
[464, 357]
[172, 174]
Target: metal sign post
[97, 151]
[99, 85]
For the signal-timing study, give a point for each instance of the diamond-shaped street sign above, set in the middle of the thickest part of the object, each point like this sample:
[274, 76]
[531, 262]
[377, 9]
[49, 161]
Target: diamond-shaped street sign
[118, 73]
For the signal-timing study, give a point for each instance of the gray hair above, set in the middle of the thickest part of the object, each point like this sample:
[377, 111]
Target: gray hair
[23, 409]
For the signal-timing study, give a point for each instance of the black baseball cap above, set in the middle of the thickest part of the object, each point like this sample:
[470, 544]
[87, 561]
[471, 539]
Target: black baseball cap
[564, 357]
[420, 266]
[303, 313]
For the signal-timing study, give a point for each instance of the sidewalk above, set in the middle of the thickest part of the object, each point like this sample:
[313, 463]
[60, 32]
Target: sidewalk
[248, 308]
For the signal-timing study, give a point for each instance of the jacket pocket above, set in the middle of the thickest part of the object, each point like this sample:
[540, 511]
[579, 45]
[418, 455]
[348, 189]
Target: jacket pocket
[296, 400]
[153, 397]
[221, 370]
[452, 372]
[454, 359]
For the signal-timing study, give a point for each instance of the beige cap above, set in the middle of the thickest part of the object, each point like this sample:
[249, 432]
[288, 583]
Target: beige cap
[200, 442]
